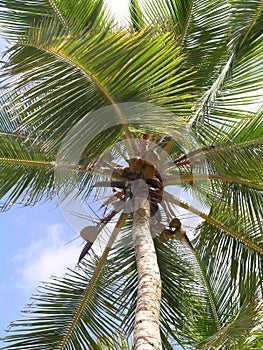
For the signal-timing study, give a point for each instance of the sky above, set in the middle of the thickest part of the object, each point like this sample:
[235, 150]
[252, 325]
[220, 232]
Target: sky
[32, 249]
[33, 242]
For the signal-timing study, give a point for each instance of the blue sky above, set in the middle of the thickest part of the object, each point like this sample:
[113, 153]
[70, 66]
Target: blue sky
[32, 249]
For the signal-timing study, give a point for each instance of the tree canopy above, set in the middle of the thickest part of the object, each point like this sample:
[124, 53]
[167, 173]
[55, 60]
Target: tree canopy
[201, 63]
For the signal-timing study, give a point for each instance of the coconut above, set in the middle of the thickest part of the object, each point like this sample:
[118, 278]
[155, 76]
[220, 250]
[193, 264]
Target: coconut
[175, 223]
[89, 233]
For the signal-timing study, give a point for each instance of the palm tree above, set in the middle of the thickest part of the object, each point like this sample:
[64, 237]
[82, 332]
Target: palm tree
[196, 63]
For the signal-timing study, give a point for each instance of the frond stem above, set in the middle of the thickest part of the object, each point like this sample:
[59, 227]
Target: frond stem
[251, 25]
[27, 162]
[209, 97]
[236, 235]
[187, 21]
[199, 177]
[59, 15]
[209, 291]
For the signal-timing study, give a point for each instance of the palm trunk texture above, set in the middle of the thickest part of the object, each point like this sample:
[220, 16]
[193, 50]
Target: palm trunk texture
[146, 328]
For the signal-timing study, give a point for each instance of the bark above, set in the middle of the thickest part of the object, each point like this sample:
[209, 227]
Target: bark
[146, 328]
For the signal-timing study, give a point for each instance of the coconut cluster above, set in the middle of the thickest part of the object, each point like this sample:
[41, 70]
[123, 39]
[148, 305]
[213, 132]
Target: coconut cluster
[174, 230]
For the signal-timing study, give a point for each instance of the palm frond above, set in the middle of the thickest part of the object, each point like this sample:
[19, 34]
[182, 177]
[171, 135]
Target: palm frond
[249, 129]
[205, 39]
[27, 177]
[223, 42]
[246, 40]
[18, 16]
[74, 17]
[255, 341]
[52, 310]
[236, 333]
[231, 179]
[201, 26]
[242, 203]
[64, 78]
[171, 14]
[241, 162]
[26, 173]
[136, 15]
[224, 223]
[236, 161]
[120, 343]
[82, 16]
[232, 269]
[245, 52]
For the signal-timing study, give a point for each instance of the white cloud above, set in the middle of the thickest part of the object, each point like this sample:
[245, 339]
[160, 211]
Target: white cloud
[44, 256]
[120, 9]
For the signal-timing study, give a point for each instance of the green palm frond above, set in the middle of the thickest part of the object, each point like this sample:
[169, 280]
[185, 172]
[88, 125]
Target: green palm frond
[220, 217]
[231, 267]
[231, 181]
[26, 173]
[224, 44]
[239, 191]
[172, 14]
[255, 341]
[52, 310]
[235, 334]
[242, 203]
[231, 86]
[63, 78]
[250, 129]
[202, 27]
[221, 124]
[245, 20]
[81, 16]
[246, 40]
[205, 38]
[17, 17]
[75, 17]
[237, 161]
[136, 15]
[120, 343]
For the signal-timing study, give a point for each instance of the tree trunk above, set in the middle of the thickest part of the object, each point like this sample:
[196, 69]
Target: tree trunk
[146, 328]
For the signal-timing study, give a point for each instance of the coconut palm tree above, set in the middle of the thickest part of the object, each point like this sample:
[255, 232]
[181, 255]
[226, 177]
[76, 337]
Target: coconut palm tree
[176, 82]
